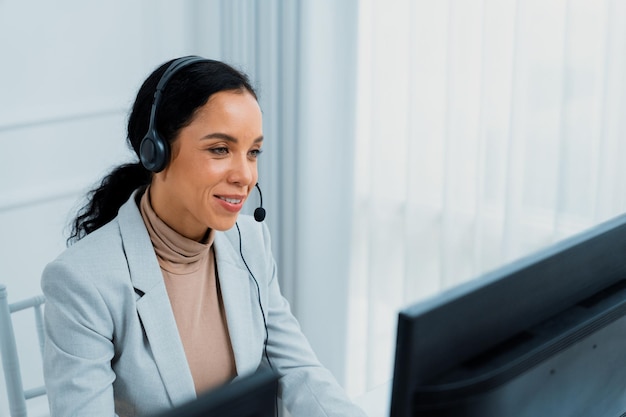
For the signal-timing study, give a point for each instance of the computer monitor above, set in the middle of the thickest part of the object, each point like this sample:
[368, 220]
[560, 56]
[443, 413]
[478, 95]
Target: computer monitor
[542, 336]
[250, 396]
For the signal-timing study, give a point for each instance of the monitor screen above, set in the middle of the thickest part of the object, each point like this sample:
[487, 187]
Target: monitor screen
[248, 396]
[542, 336]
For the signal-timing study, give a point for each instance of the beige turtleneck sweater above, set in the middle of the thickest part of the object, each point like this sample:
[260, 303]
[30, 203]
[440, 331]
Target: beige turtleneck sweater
[189, 273]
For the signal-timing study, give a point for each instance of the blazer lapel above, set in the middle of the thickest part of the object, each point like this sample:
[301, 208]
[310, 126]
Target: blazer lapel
[153, 306]
[160, 327]
[235, 283]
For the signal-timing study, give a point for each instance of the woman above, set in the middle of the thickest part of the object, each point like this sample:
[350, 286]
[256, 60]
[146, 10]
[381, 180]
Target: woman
[167, 291]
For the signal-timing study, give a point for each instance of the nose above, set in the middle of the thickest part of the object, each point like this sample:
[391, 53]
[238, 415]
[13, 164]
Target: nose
[243, 171]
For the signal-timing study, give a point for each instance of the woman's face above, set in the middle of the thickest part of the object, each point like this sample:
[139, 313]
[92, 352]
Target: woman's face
[213, 167]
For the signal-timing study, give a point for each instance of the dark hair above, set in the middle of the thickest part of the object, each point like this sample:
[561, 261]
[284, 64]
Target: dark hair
[189, 89]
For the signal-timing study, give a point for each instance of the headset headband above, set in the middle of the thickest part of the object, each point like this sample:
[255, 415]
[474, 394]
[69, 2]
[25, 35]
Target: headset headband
[174, 67]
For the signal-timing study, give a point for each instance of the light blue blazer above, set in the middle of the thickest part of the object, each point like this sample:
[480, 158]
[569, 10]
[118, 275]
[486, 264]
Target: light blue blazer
[112, 343]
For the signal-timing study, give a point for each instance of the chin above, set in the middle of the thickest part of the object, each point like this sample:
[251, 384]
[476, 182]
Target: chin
[225, 224]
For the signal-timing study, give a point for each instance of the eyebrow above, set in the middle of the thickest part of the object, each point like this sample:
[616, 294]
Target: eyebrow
[228, 138]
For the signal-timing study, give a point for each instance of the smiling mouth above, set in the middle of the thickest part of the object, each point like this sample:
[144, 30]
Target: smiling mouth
[230, 200]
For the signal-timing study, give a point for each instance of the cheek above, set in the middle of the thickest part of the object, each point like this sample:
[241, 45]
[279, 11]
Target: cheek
[207, 173]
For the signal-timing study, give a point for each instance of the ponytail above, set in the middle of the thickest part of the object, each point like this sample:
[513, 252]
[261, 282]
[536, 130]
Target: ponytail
[104, 202]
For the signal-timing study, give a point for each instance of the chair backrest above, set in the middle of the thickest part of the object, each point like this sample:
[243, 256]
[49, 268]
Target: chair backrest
[17, 395]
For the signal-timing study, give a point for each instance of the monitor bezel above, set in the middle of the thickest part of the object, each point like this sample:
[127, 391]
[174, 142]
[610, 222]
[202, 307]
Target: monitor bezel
[253, 395]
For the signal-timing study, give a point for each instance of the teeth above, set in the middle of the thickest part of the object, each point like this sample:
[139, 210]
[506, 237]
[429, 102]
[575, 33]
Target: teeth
[231, 200]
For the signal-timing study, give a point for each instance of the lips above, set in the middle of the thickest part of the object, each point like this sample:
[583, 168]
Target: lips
[231, 203]
[230, 200]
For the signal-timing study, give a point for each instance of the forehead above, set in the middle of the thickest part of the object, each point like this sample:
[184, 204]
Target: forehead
[227, 106]
[234, 113]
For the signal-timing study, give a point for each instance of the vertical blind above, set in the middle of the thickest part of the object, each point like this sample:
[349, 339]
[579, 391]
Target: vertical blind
[485, 130]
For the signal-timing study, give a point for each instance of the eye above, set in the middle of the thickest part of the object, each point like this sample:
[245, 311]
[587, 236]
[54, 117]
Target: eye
[222, 150]
[255, 153]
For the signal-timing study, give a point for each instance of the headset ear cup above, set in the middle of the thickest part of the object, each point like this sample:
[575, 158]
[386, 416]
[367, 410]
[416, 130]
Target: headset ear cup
[154, 152]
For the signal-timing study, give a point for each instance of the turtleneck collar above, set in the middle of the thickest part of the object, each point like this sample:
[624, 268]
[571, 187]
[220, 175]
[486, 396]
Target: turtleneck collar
[176, 253]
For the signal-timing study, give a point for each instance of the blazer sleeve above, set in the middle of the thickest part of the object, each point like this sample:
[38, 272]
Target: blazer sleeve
[306, 388]
[79, 347]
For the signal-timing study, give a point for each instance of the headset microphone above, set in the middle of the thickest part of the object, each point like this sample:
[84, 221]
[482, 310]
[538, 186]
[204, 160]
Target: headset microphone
[259, 212]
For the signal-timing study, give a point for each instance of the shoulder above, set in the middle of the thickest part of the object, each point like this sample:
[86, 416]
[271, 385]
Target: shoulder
[91, 264]
[96, 248]
[106, 244]
[100, 253]
[84, 278]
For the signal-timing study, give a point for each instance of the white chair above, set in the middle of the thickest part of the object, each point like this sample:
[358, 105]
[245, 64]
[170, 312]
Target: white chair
[17, 395]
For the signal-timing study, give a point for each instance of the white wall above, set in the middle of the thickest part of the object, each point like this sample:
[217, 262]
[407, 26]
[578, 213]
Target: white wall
[69, 73]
